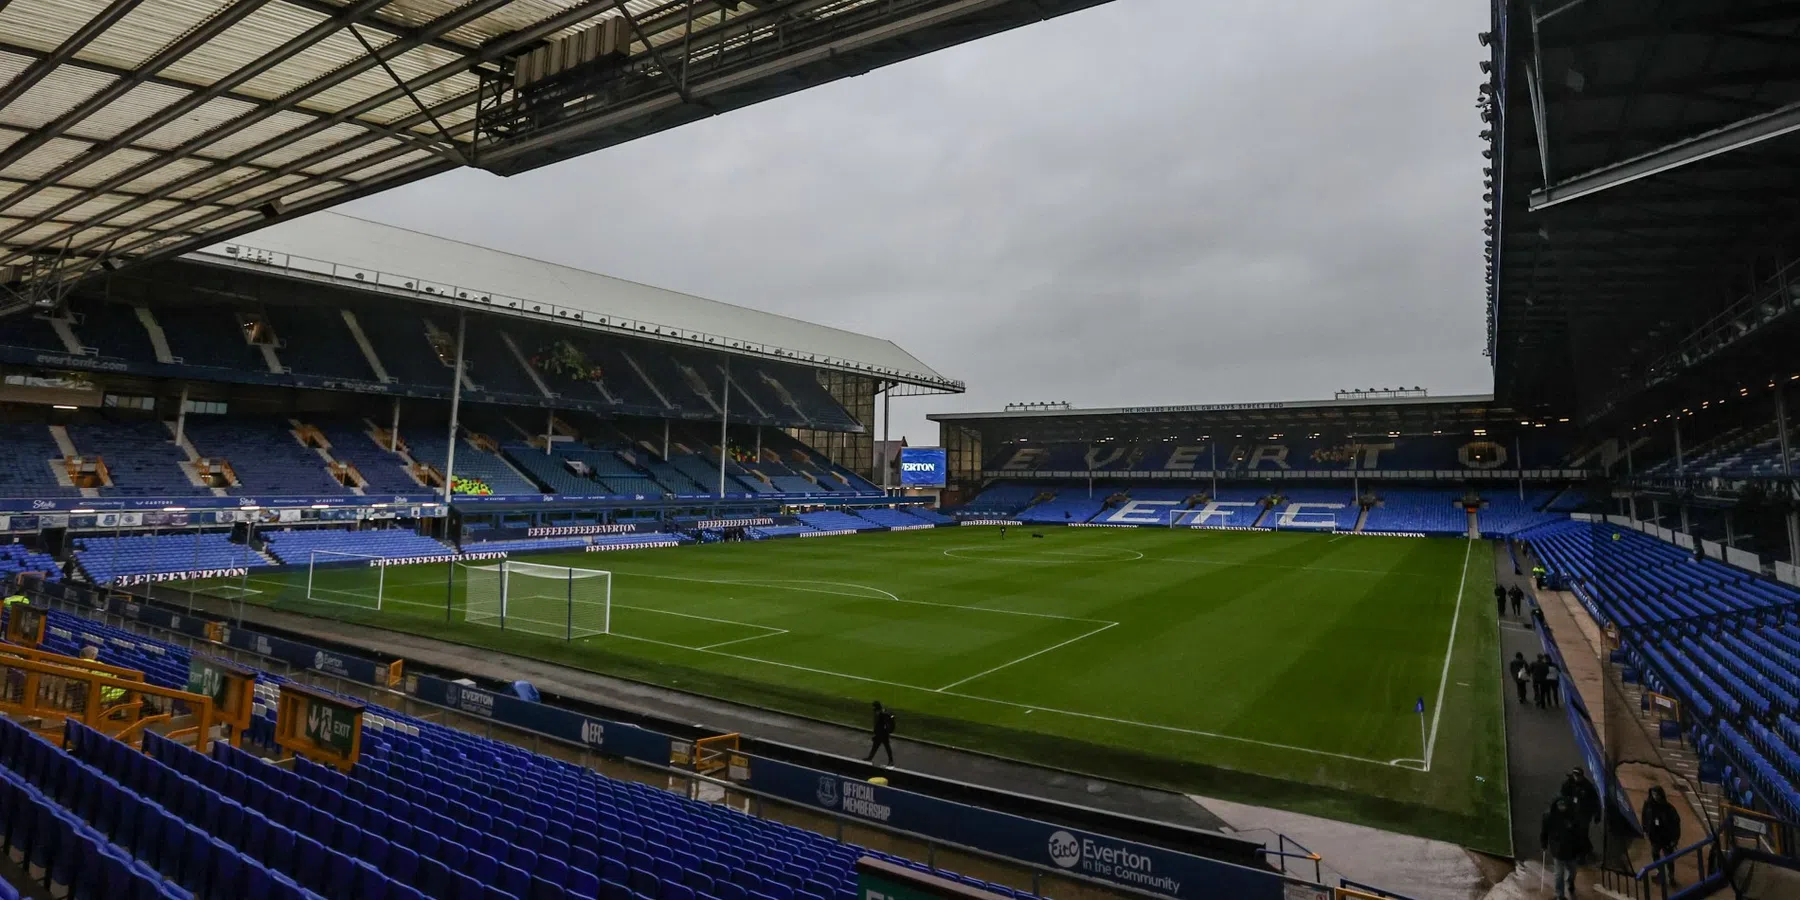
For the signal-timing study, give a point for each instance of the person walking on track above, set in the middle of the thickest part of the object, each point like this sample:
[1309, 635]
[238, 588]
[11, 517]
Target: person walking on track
[1564, 836]
[1500, 599]
[884, 729]
[1519, 670]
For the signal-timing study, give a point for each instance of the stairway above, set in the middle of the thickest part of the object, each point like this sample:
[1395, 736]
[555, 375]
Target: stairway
[1679, 757]
[159, 341]
[368, 349]
[66, 334]
[1474, 527]
[1362, 518]
[525, 364]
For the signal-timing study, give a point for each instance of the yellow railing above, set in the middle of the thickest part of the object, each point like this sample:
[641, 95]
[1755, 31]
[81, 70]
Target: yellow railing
[46, 691]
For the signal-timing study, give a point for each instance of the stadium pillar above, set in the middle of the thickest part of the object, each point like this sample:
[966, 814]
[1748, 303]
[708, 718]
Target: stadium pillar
[462, 331]
[1630, 491]
[887, 450]
[181, 416]
[1680, 466]
[759, 443]
[549, 429]
[1519, 460]
[665, 440]
[1787, 468]
[724, 435]
[394, 429]
[1215, 471]
[1730, 532]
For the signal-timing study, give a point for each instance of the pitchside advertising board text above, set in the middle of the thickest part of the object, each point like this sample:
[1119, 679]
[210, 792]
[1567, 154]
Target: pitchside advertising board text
[923, 466]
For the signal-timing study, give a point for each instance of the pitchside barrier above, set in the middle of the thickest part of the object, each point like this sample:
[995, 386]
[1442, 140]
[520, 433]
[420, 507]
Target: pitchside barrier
[1054, 851]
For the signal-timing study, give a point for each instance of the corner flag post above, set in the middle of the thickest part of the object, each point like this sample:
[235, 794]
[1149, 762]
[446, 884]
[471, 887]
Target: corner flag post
[1419, 708]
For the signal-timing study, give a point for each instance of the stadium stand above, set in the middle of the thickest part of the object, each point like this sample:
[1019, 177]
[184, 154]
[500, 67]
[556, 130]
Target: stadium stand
[550, 472]
[834, 520]
[28, 458]
[1068, 505]
[295, 546]
[1506, 514]
[315, 340]
[265, 455]
[927, 515]
[1417, 510]
[429, 811]
[1334, 508]
[383, 472]
[895, 517]
[18, 558]
[1720, 639]
[1000, 499]
[472, 462]
[105, 559]
[141, 457]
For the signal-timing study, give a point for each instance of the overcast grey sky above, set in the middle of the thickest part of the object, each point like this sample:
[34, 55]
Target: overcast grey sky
[1149, 202]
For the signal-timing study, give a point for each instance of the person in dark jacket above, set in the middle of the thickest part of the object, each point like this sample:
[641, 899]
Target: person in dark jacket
[1552, 684]
[1564, 835]
[1518, 670]
[1540, 672]
[1500, 599]
[1662, 826]
[1578, 788]
[1518, 597]
[884, 729]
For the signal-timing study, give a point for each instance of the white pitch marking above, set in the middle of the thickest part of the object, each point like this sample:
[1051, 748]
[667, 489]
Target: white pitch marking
[1026, 657]
[771, 582]
[1437, 713]
[755, 637]
[704, 618]
[1008, 703]
[1079, 557]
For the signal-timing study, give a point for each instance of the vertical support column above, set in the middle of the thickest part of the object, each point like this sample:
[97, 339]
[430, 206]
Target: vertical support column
[1685, 528]
[1214, 447]
[724, 435]
[181, 416]
[549, 430]
[1519, 458]
[887, 420]
[1787, 468]
[394, 429]
[759, 443]
[1630, 492]
[665, 440]
[462, 332]
[1680, 465]
[1730, 530]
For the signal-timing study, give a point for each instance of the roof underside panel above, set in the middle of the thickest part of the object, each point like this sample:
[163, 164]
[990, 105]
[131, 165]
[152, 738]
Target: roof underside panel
[359, 251]
[207, 116]
[1616, 247]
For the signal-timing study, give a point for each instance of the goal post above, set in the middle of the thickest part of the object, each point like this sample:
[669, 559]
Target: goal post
[553, 601]
[347, 579]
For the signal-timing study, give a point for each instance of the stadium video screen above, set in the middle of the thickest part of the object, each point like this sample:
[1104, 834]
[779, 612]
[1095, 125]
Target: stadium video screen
[923, 466]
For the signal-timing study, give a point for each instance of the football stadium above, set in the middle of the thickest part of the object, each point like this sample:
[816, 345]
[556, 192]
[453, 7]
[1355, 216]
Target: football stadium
[343, 560]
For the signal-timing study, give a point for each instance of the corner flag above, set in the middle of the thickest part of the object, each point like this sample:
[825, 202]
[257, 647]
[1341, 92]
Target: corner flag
[1419, 707]
[1424, 743]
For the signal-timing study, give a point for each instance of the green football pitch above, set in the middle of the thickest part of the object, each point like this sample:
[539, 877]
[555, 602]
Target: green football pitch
[1275, 668]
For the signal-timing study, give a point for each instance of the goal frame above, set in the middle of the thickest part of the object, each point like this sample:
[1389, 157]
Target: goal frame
[504, 613]
[331, 558]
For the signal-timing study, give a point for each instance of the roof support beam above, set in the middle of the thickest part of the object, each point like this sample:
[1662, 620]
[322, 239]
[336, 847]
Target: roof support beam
[208, 30]
[239, 96]
[493, 51]
[83, 36]
[1743, 133]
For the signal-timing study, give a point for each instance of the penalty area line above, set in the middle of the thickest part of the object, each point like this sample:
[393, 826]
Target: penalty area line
[1026, 657]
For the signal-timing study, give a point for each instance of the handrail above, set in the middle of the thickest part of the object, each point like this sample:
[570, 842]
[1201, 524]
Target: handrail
[1656, 865]
[67, 661]
[39, 697]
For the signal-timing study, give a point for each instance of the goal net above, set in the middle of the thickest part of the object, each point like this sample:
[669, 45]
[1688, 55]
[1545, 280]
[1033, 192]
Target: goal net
[554, 601]
[348, 579]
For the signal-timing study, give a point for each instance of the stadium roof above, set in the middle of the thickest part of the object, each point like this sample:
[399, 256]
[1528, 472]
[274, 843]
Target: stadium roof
[349, 251]
[1646, 179]
[1356, 415]
[139, 129]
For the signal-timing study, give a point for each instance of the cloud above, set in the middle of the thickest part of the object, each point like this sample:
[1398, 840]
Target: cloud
[1152, 201]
